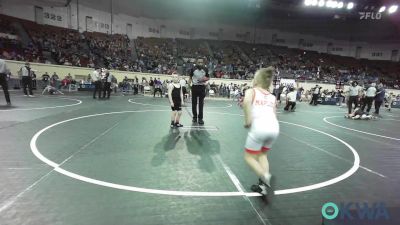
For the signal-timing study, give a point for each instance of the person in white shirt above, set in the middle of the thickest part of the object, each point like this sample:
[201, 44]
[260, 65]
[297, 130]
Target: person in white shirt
[27, 79]
[370, 94]
[4, 71]
[354, 93]
[390, 98]
[291, 100]
[259, 107]
[96, 80]
[316, 92]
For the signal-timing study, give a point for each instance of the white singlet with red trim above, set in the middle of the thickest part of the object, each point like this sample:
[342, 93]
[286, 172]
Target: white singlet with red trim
[264, 126]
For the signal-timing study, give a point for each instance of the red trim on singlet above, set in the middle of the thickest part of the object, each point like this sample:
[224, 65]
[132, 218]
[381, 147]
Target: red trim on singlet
[254, 152]
[264, 149]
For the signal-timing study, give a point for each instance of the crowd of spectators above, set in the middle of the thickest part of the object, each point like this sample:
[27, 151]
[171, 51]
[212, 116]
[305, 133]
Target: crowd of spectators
[155, 55]
[114, 50]
[223, 59]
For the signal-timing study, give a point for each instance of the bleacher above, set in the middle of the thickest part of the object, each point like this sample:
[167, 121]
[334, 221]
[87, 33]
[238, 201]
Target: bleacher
[162, 55]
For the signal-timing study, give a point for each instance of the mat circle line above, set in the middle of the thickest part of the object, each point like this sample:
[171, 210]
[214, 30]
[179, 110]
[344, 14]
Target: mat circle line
[47, 107]
[56, 166]
[325, 119]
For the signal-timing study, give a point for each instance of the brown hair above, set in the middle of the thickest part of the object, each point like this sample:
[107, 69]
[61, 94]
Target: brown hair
[263, 77]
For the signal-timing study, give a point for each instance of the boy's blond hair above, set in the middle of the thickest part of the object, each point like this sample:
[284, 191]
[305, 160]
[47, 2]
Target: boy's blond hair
[263, 77]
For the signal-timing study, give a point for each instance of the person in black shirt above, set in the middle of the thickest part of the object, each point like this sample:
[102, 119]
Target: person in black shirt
[45, 79]
[107, 85]
[4, 71]
[198, 79]
[175, 96]
[316, 91]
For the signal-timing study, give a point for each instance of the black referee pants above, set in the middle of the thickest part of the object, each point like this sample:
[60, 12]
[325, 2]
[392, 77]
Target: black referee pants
[198, 91]
[97, 88]
[292, 105]
[27, 82]
[352, 100]
[314, 100]
[4, 85]
[107, 89]
[368, 102]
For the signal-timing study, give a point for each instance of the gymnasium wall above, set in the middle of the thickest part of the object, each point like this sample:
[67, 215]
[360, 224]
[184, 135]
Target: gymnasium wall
[79, 72]
[146, 27]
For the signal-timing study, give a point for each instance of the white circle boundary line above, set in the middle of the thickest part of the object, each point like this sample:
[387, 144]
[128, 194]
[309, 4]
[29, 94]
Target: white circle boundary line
[60, 170]
[209, 107]
[49, 107]
[377, 135]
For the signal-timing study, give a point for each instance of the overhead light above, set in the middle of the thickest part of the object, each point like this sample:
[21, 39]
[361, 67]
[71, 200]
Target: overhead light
[321, 3]
[350, 5]
[340, 5]
[314, 2]
[334, 4]
[382, 9]
[328, 4]
[307, 2]
[392, 9]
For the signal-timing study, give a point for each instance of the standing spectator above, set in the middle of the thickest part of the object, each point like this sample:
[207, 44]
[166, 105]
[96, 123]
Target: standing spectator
[380, 97]
[27, 79]
[291, 100]
[354, 94]
[33, 75]
[45, 79]
[316, 93]
[299, 94]
[125, 85]
[54, 80]
[390, 99]
[4, 71]
[369, 97]
[96, 80]
[151, 84]
[157, 87]
[107, 85]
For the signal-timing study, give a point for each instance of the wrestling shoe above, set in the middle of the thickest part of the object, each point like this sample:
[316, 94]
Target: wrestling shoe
[270, 187]
[178, 125]
[259, 188]
[201, 122]
[194, 120]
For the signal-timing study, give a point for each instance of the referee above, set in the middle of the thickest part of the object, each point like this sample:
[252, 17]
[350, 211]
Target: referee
[354, 94]
[4, 71]
[198, 78]
[96, 80]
